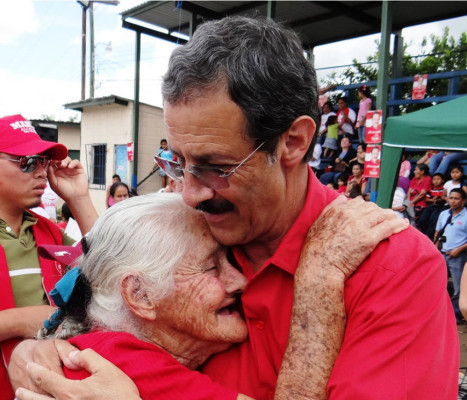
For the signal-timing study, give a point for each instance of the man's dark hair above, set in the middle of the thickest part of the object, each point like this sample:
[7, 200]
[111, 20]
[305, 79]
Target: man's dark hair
[345, 99]
[263, 67]
[117, 176]
[66, 212]
[424, 168]
[440, 175]
[460, 191]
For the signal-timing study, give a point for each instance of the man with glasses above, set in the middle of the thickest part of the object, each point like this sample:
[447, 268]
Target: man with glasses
[241, 110]
[26, 161]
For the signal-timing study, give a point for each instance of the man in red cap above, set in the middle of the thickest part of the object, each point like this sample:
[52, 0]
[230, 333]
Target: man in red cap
[26, 162]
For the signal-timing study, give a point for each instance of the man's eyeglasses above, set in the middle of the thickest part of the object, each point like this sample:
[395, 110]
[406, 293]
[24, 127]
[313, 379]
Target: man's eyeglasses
[29, 164]
[211, 177]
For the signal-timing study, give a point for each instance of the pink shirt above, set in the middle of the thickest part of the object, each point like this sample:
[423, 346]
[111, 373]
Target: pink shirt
[364, 107]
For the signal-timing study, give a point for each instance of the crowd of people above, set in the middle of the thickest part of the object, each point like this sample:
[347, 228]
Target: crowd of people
[256, 281]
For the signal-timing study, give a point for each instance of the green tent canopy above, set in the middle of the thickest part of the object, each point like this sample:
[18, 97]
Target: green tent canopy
[442, 127]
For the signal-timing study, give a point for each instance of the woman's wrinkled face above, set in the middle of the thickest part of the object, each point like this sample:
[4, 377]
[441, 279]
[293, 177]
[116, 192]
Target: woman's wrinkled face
[205, 303]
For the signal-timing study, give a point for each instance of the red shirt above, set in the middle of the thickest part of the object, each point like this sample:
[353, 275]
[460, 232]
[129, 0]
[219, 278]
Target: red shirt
[401, 339]
[154, 371]
[416, 186]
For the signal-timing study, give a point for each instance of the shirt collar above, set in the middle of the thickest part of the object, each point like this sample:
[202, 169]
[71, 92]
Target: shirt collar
[288, 253]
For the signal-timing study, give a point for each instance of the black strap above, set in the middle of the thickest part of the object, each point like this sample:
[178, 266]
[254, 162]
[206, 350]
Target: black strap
[441, 231]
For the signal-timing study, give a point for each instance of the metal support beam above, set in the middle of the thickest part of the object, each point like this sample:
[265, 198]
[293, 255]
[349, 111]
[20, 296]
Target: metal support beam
[397, 60]
[271, 9]
[193, 24]
[383, 74]
[91, 50]
[134, 178]
[83, 54]
[153, 33]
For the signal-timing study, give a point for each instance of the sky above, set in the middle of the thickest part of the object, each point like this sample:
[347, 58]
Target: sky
[40, 55]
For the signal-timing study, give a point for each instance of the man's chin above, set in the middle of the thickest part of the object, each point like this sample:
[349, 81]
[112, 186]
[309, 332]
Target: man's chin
[35, 204]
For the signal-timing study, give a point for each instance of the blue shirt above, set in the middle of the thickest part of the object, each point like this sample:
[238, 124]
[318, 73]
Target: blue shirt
[166, 154]
[455, 232]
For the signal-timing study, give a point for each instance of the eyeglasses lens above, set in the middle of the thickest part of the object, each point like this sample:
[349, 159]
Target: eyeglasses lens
[212, 178]
[30, 163]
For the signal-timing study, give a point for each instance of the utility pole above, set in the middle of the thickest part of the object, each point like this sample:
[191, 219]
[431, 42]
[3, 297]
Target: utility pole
[84, 5]
[88, 4]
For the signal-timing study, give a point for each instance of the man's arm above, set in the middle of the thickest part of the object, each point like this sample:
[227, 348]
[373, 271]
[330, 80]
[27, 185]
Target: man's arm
[338, 242]
[68, 179]
[23, 322]
[418, 197]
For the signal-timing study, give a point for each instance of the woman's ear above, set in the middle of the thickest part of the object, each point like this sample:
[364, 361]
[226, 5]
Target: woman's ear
[135, 295]
[297, 140]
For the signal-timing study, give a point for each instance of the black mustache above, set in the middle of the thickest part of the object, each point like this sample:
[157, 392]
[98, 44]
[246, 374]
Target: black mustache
[215, 206]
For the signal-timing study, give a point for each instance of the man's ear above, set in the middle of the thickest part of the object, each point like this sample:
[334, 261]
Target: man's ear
[136, 297]
[297, 140]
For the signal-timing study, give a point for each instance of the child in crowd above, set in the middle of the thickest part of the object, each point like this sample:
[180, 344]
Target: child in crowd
[330, 144]
[354, 190]
[364, 106]
[457, 181]
[341, 184]
[405, 167]
[435, 204]
[332, 185]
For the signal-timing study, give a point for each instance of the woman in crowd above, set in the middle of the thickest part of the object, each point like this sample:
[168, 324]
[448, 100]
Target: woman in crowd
[361, 153]
[158, 305]
[356, 178]
[419, 187]
[108, 200]
[119, 191]
[341, 163]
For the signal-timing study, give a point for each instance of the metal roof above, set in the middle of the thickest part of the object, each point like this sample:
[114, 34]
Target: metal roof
[317, 22]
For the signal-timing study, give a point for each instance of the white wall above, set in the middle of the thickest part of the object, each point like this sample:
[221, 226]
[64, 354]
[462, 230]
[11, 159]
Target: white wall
[112, 125]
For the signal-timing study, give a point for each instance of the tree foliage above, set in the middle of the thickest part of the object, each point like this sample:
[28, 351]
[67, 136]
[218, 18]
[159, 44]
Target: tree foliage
[438, 54]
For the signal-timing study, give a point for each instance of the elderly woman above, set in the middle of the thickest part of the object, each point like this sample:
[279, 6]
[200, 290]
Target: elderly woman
[156, 296]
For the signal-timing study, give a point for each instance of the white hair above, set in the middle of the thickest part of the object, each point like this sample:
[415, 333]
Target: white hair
[148, 235]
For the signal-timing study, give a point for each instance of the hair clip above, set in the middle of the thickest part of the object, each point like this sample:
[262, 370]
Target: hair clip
[84, 244]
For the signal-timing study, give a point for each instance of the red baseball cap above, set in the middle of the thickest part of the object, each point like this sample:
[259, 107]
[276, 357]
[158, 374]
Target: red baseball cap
[61, 253]
[18, 137]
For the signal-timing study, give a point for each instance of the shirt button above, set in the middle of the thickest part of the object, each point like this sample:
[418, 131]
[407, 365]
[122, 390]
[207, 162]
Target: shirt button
[260, 325]
[8, 229]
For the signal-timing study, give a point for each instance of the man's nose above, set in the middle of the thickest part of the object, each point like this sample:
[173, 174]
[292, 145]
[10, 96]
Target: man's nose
[193, 192]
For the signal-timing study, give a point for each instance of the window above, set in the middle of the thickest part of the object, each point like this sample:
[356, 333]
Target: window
[96, 160]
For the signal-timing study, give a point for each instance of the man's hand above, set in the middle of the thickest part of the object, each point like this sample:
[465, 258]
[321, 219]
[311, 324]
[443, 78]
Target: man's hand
[43, 352]
[455, 252]
[106, 382]
[68, 179]
[346, 232]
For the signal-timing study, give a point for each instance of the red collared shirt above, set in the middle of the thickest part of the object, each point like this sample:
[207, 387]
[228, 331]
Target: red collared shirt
[400, 342]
